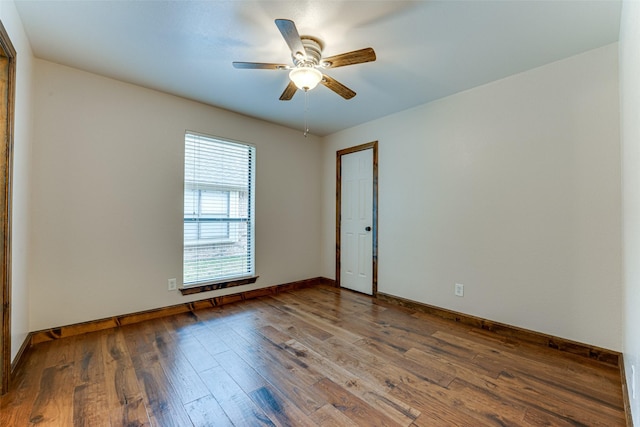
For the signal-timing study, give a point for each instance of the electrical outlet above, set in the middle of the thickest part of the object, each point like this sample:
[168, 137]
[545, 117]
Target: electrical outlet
[459, 290]
[633, 382]
[172, 284]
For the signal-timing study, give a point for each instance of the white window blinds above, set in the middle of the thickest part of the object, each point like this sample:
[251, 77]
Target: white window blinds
[218, 210]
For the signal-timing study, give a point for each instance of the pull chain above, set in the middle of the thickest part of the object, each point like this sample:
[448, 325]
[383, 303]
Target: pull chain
[306, 113]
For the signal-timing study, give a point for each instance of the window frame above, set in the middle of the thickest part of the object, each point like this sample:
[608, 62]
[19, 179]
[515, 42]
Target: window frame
[228, 281]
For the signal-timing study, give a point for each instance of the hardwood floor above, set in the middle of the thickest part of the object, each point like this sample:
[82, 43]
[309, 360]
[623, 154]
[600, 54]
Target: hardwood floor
[313, 357]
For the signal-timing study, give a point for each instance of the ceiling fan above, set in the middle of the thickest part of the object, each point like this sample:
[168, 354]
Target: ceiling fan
[308, 63]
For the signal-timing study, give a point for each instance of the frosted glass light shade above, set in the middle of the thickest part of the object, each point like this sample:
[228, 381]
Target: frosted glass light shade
[305, 78]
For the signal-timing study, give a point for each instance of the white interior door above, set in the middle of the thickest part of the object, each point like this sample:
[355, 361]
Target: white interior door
[356, 236]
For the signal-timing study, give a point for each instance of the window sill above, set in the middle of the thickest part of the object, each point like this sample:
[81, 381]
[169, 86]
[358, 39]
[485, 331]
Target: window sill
[196, 289]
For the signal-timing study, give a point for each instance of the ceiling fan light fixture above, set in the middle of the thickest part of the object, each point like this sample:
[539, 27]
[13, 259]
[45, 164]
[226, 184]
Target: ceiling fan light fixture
[305, 78]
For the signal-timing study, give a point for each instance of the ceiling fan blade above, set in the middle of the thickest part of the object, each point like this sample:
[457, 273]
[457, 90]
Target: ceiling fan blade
[289, 91]
[260, 66]
[290, 33]
[350, 58]
[337, 87]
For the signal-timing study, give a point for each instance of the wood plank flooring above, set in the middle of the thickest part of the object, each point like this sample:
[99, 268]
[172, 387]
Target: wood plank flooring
[312, 357]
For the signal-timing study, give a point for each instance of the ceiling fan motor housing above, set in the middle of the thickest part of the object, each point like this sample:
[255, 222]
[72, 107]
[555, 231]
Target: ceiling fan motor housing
[313, 48]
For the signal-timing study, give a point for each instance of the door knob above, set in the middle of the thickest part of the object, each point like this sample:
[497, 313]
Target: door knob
[367, 228]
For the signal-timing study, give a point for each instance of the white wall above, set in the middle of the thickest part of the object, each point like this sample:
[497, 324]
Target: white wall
[512, 189]
[630, 136]
[21, 176]
[107, 196]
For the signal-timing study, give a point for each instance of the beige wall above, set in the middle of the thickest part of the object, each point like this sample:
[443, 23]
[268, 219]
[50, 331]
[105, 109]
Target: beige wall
[630, 136]
[21, 176]
[107, 196]
[512, 189]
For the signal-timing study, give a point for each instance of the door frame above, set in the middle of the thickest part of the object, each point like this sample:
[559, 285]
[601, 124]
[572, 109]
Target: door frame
[374, 146]
[7, 105]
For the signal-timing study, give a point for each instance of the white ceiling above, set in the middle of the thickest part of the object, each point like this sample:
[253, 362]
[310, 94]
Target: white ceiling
[425, 49]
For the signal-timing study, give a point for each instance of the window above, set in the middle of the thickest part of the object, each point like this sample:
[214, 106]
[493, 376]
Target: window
[218, 210]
